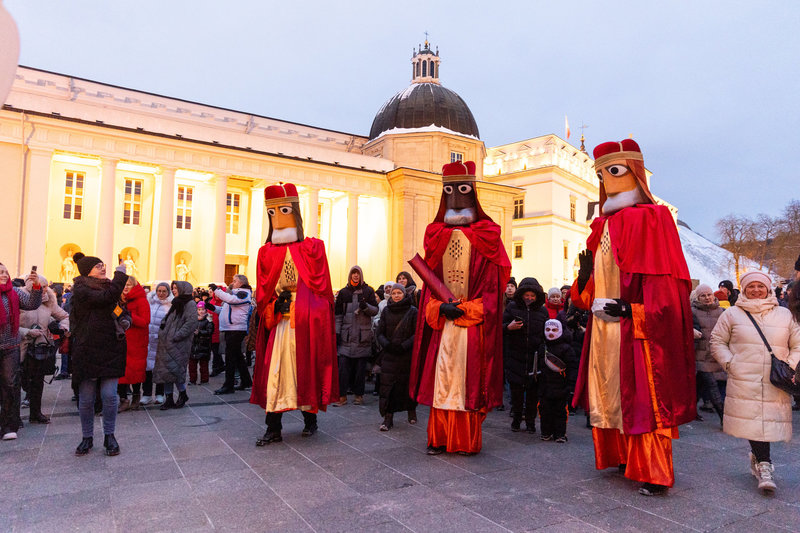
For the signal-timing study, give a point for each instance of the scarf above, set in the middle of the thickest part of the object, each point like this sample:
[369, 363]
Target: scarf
[178, 303]
[8, 291]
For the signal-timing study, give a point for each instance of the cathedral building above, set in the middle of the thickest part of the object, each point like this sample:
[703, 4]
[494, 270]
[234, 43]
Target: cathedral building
[175, 189]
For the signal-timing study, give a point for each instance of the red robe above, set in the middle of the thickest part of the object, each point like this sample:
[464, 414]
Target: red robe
[489, 270]
[655, 280]
[315, 337]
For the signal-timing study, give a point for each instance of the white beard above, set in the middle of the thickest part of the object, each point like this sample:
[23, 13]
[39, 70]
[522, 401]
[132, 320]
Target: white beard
[622, 200]
[460, 217]
[284, 236]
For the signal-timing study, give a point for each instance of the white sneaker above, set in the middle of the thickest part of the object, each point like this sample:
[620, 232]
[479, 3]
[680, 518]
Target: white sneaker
[159, 399]
[146, 400]
[11, 435]
[753, 465]
[766, 482]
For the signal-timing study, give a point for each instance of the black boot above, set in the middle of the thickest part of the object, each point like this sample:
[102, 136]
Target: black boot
[169, 403]
[269, 437]
[111, 445]
[652, 489]
[182, 399]
[85, 445]
[387, 422]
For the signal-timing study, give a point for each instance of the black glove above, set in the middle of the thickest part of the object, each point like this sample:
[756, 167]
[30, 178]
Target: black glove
[587, 264]
[451, 311]
[209, 306]
[362, 304]
[212, 287]
[619, 308]
[283, 303]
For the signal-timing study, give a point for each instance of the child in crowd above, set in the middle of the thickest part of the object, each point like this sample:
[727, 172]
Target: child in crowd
[554, 374]
[201, 345]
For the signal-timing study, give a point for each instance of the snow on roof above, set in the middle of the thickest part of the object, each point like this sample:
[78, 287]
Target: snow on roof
[431, 128]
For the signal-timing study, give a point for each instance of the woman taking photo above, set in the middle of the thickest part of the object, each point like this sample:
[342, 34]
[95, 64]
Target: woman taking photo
[754, 409]
[175, 345]
[98, 347]
[135, 301]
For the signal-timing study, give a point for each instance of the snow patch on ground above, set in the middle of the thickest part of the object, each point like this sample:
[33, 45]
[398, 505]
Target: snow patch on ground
[708, 262]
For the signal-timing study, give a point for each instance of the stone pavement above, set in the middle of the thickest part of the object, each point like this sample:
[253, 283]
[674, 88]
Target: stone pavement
[197, 469]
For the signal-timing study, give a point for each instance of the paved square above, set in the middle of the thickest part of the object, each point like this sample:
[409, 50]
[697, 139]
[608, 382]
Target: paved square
[197, 469]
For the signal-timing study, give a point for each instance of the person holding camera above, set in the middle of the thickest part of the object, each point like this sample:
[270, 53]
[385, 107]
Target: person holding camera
[354, 308]
[98, 346]
[233, 316]
[37, 344]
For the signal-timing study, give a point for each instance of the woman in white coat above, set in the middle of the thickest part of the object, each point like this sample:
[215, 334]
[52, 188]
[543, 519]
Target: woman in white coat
[160, 301]
[755, 409]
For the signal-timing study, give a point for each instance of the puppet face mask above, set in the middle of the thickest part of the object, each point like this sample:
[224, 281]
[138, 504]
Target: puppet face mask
[552, 330]
[284, 224]
[460, 203]
[622, 189]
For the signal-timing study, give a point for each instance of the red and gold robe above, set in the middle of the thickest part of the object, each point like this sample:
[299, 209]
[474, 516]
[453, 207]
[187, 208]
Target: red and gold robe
[457, 366]
[637, 376]
[309, 333]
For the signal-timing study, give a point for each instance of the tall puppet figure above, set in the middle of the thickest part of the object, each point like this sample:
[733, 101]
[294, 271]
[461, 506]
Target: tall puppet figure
[637, 370]
[296, 359]
[457, 365]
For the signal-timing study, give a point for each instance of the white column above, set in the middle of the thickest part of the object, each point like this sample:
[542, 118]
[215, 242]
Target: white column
[166, 220]
[33, 240]
[106, 221]
[311, 225]
[352, 230]
[258, 229]
[220, 228]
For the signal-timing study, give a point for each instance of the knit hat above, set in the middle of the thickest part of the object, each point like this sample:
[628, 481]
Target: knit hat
[755, 275]
[512, 281]
[201, 304]
[392, 286]
[555, 291]
[85, 263]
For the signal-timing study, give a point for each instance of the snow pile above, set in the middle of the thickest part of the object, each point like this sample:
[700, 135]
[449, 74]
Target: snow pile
[423, 129]
[708, 262]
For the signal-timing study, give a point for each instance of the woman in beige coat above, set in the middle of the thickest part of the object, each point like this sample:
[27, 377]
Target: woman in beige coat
[754, 409]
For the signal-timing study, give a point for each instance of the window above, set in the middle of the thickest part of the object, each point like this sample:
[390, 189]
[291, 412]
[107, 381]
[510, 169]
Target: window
[572, 208]
[232, 212]
[132, 203]
[73, 195]
[519, 208]
[456, 156]
[319, 220]
[184, 218]
[566, 250]
[424, 68]
[517, 250]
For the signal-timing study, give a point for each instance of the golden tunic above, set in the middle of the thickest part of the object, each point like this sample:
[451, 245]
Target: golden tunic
[605, 409]
[450, 384]
[282, 380]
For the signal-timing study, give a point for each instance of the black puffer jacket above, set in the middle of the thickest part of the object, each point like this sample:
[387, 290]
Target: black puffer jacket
[201, 342]
[520, 346]
[553, 385]
[395, 334]
[97, 352]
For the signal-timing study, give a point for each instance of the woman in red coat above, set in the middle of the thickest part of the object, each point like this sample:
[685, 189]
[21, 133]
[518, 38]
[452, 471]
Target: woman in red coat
[137, 337]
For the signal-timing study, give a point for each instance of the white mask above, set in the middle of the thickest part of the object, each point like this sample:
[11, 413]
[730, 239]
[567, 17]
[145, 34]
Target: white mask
[553, 330]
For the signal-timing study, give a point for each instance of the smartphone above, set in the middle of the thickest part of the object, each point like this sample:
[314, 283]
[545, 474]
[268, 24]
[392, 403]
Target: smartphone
[33, 268]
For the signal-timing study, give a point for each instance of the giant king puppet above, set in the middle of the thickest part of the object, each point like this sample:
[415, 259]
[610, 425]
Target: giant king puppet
[296, 344]
[457, 365]
[637, 371]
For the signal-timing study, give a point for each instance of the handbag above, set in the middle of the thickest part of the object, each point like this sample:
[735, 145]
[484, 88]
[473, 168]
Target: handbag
[45, 354]
[781, 374]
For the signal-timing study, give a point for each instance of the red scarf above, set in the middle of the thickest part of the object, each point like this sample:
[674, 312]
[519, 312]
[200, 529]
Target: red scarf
[8, 291]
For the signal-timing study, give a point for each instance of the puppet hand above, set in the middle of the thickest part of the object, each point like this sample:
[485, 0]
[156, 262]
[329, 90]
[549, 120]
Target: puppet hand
[212, 287]
[451, 311]
[586, 265]
[618, 309]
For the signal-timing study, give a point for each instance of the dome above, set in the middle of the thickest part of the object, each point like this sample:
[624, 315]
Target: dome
[423, 105]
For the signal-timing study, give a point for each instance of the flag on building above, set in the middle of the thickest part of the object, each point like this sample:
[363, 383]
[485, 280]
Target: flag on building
[566, 126]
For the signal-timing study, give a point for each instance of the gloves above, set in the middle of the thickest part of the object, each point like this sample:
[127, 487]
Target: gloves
[587, 264]
[451, 311]
[209, 306]
[618, 309]
[283, 303]
[212, 287]
[362, 304]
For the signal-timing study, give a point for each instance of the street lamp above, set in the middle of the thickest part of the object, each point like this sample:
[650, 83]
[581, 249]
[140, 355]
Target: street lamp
[9, 51]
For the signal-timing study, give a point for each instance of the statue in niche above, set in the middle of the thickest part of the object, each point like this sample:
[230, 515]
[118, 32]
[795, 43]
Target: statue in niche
[68, 268]
[182, 271]
[130, 266]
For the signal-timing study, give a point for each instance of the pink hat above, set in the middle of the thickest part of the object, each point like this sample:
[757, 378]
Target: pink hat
[755, 275]
[201, 304]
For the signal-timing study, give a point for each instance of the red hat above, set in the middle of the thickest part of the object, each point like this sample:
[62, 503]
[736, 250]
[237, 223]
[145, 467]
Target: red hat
[458, 172]
[624, 149]
[280, 194]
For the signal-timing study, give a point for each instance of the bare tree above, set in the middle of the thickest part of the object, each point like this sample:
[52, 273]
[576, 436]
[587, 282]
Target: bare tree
[769, 241]
[737, 234]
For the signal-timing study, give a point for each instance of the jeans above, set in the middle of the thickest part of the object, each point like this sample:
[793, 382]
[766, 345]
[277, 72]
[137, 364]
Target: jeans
[9, 390]
[108, 392]
[170, 387]
[352, 370]
[64, 371]
[234, 359]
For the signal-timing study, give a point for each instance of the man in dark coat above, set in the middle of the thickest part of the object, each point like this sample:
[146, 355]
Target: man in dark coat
[523, 333]
[98, 346]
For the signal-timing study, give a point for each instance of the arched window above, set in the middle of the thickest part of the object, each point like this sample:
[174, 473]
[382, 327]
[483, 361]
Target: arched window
[413, 69]
[417, 69]
[424, 68]
[431, 69]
